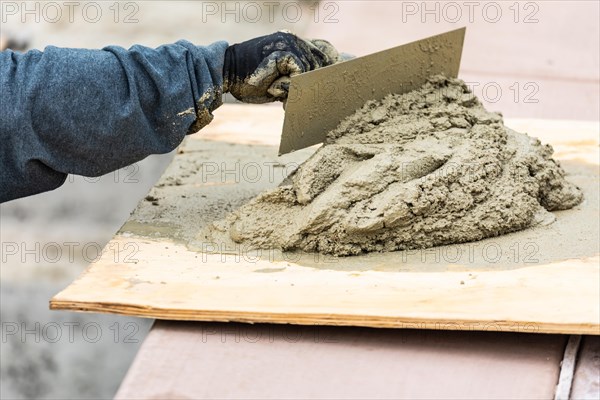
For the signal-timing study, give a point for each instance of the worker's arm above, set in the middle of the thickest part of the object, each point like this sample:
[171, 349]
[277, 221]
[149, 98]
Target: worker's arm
[90, 112]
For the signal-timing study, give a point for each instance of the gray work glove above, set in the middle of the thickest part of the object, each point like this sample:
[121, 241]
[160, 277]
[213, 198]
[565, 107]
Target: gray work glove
[259, 70]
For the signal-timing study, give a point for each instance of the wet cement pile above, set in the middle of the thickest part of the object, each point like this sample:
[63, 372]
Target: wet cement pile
[417, 170]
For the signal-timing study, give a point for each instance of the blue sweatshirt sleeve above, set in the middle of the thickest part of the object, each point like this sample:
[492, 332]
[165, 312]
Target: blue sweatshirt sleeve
[90, 112]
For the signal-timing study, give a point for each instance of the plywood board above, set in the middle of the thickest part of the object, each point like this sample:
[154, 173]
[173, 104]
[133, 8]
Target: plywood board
[544, 279]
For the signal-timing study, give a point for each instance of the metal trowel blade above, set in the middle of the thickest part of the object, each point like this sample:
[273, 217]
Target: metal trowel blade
[319, 100]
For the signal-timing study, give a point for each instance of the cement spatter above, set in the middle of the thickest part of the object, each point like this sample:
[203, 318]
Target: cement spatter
[411, 171]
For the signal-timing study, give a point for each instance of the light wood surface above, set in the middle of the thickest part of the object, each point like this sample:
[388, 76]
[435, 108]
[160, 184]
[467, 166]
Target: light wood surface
[165, 279]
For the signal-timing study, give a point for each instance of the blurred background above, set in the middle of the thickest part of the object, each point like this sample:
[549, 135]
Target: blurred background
[527, 59]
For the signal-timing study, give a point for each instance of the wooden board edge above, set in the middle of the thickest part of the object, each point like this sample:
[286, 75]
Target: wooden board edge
[328, 320]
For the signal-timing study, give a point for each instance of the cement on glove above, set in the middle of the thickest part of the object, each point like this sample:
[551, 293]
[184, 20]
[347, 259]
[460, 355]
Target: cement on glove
[426, 168]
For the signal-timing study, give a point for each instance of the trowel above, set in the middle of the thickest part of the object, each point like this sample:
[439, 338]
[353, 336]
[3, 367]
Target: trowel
[319, 100]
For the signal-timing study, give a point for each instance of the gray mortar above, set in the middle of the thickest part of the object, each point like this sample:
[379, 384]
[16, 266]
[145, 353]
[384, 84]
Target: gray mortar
[426, 168]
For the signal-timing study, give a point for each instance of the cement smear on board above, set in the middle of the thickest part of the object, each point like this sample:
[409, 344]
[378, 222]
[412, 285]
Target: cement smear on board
[417, 170]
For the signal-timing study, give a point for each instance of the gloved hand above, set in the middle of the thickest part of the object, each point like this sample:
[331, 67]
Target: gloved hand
[259, 70]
